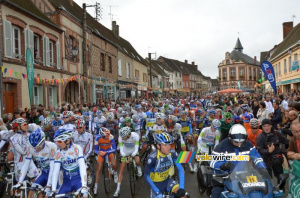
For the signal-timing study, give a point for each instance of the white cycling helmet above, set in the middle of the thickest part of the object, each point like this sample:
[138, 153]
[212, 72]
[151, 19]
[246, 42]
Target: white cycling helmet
[46, 122]
[254, 123]
[159, 116]
[110, 116]
[124, 132]
[238, 134]
[216, 123]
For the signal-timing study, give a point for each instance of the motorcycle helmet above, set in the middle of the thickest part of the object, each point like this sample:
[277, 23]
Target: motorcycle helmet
[238, 134]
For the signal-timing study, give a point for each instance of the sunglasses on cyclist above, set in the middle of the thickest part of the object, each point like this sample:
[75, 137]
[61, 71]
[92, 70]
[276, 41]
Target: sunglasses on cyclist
[254, 128]
[65, 117]
[59, 141]
[79, 127]
[25, 124]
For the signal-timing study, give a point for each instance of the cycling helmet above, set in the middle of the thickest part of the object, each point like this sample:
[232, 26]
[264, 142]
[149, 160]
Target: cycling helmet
[244, 107]
[63, 134]
[57, 115]
[99, 112]
[127, 120]
[254, 123]
[174, 118]
[32, 127]
[125, 132]
[170, 122]
[163, 138]
[75, 117]
[166, 106]
[212, 112]
[184, 113]
[216, 123]
[135, 118]
[238, 133]
[95, 109]
[46, 122]
[138, 107]
[251, 115]
[80, 123]
[120, 109]
[67, 113]
[104, 109]
[36, 138]
[104, 132]
[86, 114]
[227, 115]
[110, 116]
[159, 116]
[14, 124]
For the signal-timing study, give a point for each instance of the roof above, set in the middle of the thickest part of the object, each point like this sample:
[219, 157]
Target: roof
[215, 82]
[157, 67]
[292, 38]
[76, 11]
[238, 45]
[239, 56]
[30, 7]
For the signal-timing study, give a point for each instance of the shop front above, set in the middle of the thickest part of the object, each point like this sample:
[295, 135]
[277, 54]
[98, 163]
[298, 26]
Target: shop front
[103, 90]
[127, 89]
[142, 90]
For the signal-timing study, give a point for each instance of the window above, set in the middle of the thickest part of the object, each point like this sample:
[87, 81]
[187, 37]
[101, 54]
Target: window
[136, 73]
[128, 71]
[109, 64]
[295, 57]
[276, 71]
[224, 73]
[36, 95]
[290, 64]
[51, 49]
[279, 66]
[120, 67]
[284, 62]
[50, 96]
[71, 41]
[36, 47]
[16, 42]
[242, 72]
[250, 72]
[176, 74]
[232, 72]
[102, 65]
[144, 77]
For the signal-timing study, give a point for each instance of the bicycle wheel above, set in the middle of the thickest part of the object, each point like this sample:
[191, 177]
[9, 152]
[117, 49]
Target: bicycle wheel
[144, 157]
[91, 183]
[132, 179]
[108, 179]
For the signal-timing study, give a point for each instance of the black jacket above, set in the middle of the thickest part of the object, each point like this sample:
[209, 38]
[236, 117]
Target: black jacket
[266, 139]
[276, 119]
[255, 110]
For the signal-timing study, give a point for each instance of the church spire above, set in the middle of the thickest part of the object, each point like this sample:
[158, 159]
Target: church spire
[238, 46]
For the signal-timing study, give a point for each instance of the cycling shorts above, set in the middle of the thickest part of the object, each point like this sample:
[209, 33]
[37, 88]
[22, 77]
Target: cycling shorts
[102, 159]
[70, 185]
[169, 185]
[41, 180]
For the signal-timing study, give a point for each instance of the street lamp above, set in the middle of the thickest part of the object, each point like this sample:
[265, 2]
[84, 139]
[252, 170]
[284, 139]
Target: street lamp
[74, 51]
[290, 51]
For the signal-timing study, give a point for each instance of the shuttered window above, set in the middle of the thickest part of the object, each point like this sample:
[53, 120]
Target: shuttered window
[58, 55]
[120, 67]
[8, 48]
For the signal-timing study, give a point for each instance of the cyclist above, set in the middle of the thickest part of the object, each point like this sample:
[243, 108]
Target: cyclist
[83, 138]
[57, 122]
[111, 125]
[105, 145]
[70, 158]
[98, 122]
[19, 144]
[128, 123]
[226, 124]
[129, 146]
[5, 137]
[254, 131]
[47, 128]
[160, 167]
[87, 118]
[137, 124]
[174, 129]
[211, 116]
[43, 153]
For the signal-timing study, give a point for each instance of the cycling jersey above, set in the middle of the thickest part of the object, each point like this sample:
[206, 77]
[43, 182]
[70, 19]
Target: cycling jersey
[44, 159]
[186, 126]
[137, 126]
[85, 140]
[98, 123]
[157, 129]
[207, 121]
[108, 145]
[199, 122]
[150, 120]
[19, 145]
[252, 137]
[71, 161]
[207, 136]
[129, 146]
[159, 168]
[112, 126]
[225, 127]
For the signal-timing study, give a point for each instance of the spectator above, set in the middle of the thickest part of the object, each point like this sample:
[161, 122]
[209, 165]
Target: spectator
[269, 104]
[283, 102]
[255, 108]
[262, 112]
[17, 114]
[2, 125]
[23, 115]
[276, 117]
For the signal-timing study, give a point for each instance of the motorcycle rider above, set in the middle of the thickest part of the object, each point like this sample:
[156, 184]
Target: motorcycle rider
[233, 145]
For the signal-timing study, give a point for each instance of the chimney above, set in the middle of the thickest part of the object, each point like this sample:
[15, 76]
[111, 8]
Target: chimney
[287, 27]
[117, 31]
[254, 60]
[71, 2]
[113, 27]
[186, 62]
[193, 63]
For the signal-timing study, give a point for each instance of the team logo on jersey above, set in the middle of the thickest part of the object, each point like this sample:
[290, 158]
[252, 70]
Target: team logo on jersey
[71, 153]
[76, 150]
[44, 154]
[57, 156]
[52, 153]
[149, 161]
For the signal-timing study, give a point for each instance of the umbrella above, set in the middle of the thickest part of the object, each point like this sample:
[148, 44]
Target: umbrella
[230, 91]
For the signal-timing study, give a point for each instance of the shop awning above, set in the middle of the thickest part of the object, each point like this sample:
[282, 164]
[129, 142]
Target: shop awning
[157, 92]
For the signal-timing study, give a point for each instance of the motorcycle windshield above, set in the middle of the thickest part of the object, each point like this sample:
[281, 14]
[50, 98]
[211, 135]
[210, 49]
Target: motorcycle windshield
[246, 178]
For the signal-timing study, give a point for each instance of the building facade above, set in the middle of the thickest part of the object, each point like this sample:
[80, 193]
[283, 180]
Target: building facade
[238, 70]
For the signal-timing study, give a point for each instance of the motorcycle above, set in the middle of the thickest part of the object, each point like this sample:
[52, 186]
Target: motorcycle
[245, 181]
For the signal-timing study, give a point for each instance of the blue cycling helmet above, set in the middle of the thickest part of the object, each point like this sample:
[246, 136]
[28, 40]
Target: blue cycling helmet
[244, 107]
[36, 138]
[63, 134]
[212, 112]
[138, 107]
[86, 113]
[99, 112]
[163, 138]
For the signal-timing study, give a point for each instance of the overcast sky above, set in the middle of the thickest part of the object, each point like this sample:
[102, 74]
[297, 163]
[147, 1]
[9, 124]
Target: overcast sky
[199, 30]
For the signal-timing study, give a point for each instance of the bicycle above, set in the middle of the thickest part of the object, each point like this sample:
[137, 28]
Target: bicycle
[70, 195]
[108, 175]
[37, 191]
[4, 170]
[91, 183]
[24, 190]
[133, 176]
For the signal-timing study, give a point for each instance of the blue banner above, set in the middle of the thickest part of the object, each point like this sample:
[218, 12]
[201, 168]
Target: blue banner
[268, 70]
[30, 73]
[239, 84]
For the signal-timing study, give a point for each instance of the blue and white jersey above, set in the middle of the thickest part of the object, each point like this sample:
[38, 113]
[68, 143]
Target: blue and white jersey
[85, 140]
